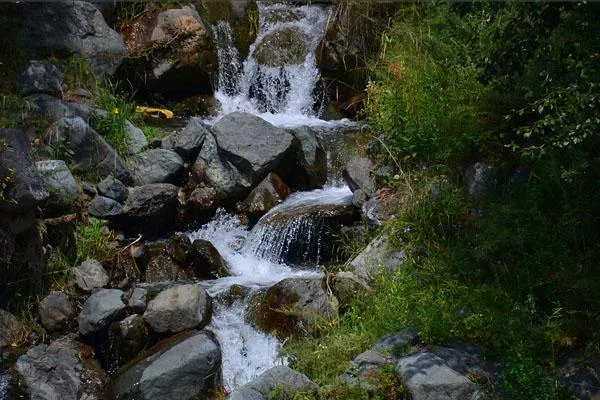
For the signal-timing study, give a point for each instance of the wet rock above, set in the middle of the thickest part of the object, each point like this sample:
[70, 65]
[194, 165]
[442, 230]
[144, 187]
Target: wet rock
[292, 306]
[480, 181]
[41, 77]
[11, 330]
[270, 192]
[74, 28]
[178, 308]
[379, 253]
[171, 52]
[428, 377]
[202, 199]
[189, 141]
[25, 189]
[131, 337]
[161, 269]
[155, 202]
[138, 300]
[56, 311]
[113, 189]
[157, 166]
[280, 378]
[179, 248]
[181, 367]
[207, 263]
[311, 169]
[286, 46]
[64, 369]
[99, 310]
[232, 295]
[105, 208]
[92, 155]
[136, 140]
[90, 275]
[346, 287]
[59, 182]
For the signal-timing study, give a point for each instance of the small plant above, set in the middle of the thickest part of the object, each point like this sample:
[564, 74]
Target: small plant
[91, 240]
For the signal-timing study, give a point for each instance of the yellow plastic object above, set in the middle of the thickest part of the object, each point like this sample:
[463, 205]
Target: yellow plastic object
[163, 112]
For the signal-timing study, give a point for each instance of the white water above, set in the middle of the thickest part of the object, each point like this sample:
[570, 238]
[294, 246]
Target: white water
[283, 96]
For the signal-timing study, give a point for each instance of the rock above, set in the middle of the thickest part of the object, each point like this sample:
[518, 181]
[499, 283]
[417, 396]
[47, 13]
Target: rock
[25, 188]
[157, 166]
[285, 46]
[580, 375]
[171, 52]
[64, 369]
[131, 337]
[379, 253]
[294, 305]
[311, 168]
[113, 189]
[207, 263]
[103, 207]
[279, 378]
[178, 308]
[136, 140]
[155, 202]
[181, 367]
[161, 269]
[357, 175]
[90, 152]
[56, 311]
[75, 27]
[428, 377]
[189, 141]
[270, 192]
[99, 310]
[11, 330]
[480, 181]
[138, 300]
[202, 199]
[59, 182]
[49, 106]
[41, 77]
[346, 287]
[90, 275]
[179, 248]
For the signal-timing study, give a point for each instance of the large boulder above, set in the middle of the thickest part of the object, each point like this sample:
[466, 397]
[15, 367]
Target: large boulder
[286, 46]
[182, 367]
[170, 52]
[157, 166]
[178, 308]
[56, 311]
[75, 27]
[90, 275]
[292, 306]
[311, 168]
[282, 379]
[92, 155]
[189, 141]
[99, 310]
[155, 202]
[59, 182]
[41, 77]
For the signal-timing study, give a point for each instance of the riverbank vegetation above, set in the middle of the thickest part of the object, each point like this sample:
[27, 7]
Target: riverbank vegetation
[514, 85]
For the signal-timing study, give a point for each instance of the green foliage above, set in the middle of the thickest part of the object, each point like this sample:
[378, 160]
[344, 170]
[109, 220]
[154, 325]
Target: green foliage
[91, 240]
[523, 378]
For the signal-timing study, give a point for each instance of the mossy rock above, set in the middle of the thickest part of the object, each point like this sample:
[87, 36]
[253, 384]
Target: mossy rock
[287, 46]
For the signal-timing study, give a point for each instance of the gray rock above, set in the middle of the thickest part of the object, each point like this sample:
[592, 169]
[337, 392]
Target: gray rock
[207, 263]
[305, 301]
[379, 254]
[277, 378]
[162, 269]
[90, 152]
[270, 192]
[155, 202]
[113, 189]
[428, 377]
[178, 308]
[580, 375]
[41, 77]
[189, 141]
[11, 330]
[138, 300]
[75, 27]
[346, 287]
[59, 182]
[357, 175]
[99, 310]
[286, 46]
[182, 367]
[25, 189]
[202, 198]
[157, 166]
[64, 369]
[311, 169]
[103, 207]
[46, 105]
[480, 181]
[136, 140]
[90, 275]
[56, 311]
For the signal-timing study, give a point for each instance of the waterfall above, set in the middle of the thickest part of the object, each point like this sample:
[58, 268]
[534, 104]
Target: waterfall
[285, 94]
